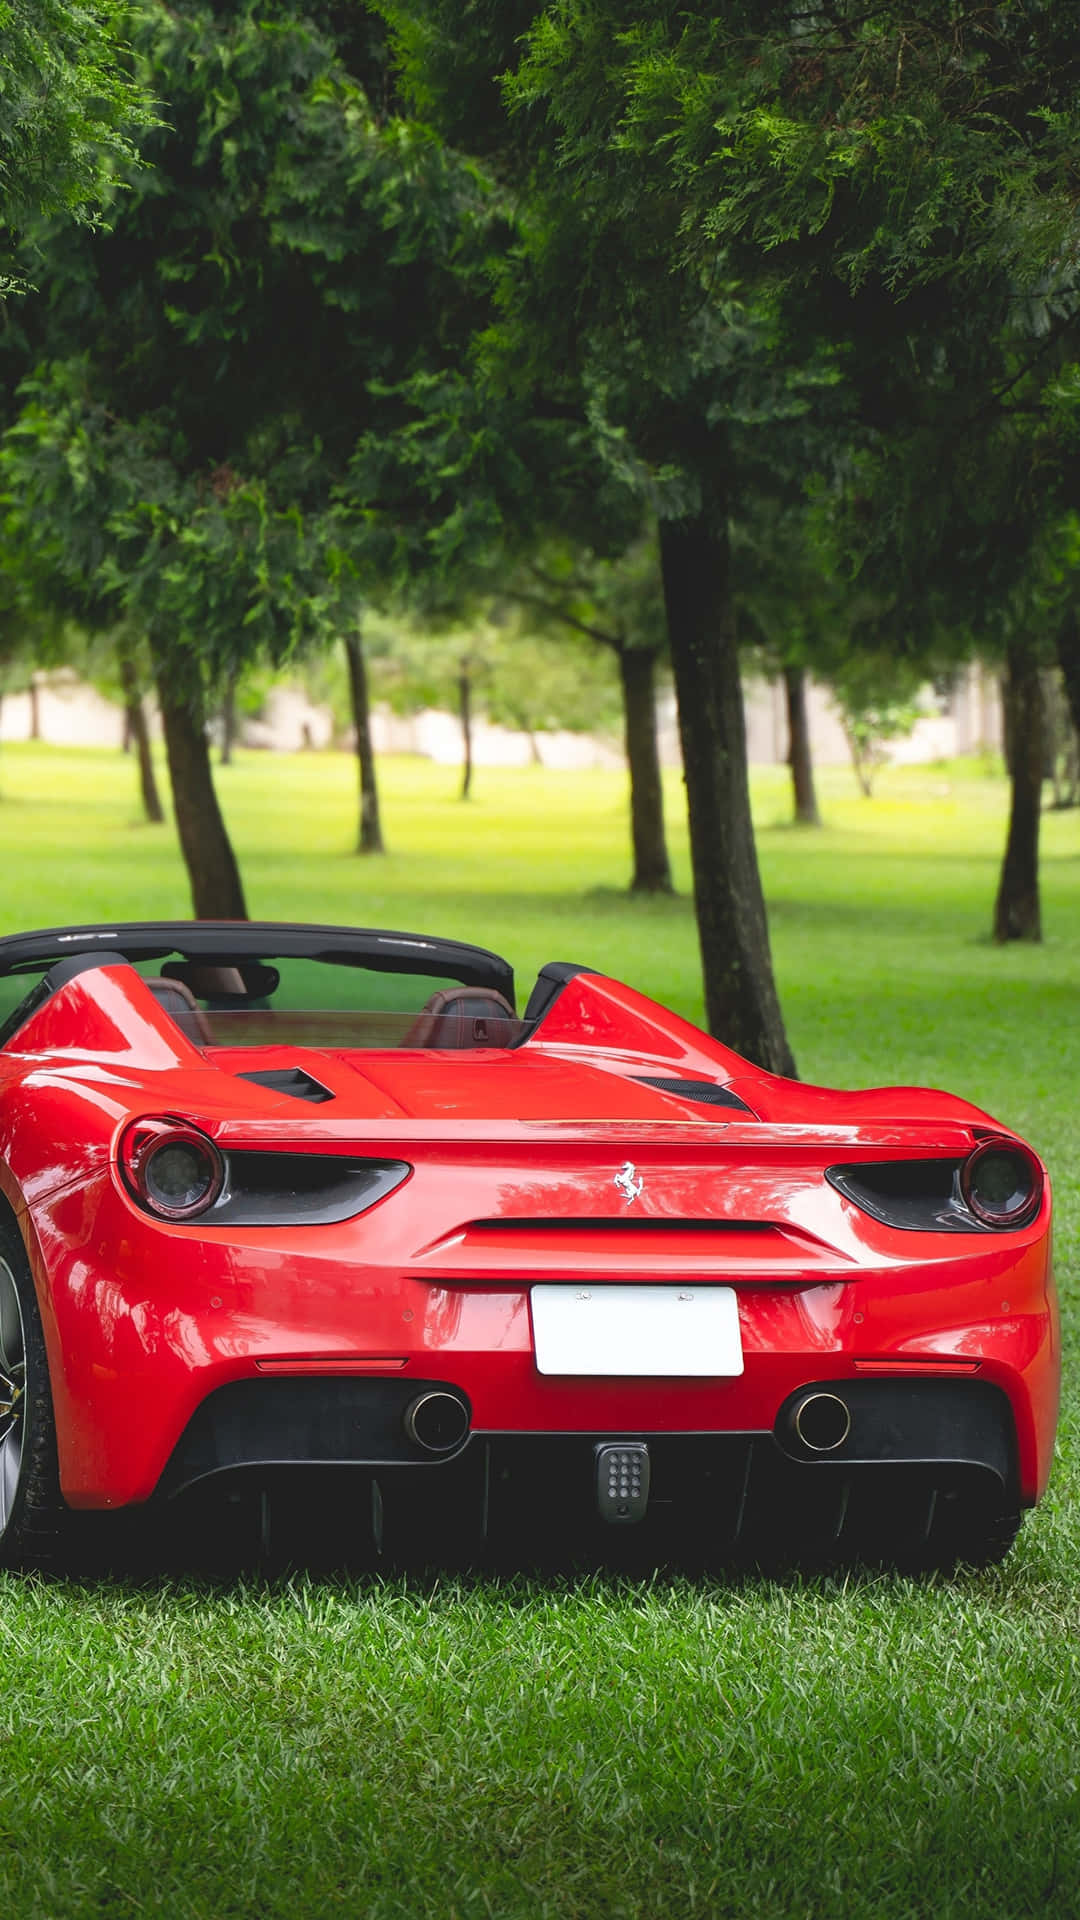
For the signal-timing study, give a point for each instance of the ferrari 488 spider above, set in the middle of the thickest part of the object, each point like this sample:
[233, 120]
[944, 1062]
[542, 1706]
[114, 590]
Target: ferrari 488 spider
[315, 1207]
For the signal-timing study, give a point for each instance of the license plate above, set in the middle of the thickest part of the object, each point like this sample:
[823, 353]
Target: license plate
[693, 1331]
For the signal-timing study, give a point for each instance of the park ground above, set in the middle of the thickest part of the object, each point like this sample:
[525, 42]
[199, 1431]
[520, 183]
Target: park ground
[872, 1744]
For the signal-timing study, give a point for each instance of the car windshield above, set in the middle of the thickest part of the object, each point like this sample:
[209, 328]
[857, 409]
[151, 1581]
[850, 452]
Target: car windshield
[313, 1003]
[243, 1000]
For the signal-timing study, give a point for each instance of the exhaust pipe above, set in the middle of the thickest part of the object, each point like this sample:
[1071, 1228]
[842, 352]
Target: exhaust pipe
[436, 1421]
[822, 1422]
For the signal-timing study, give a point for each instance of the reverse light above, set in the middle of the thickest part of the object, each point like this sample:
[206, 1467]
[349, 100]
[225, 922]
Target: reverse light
[1002, 1184]
[171, 1167]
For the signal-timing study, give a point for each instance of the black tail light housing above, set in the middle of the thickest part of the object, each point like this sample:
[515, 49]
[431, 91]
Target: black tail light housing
[998, 1187]
[173, 1170]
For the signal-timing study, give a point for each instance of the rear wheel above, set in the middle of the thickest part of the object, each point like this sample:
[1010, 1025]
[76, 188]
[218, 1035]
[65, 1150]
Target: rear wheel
[32, 1510]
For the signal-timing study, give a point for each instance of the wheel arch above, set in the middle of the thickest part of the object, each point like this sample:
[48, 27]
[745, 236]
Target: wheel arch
[15, 1212]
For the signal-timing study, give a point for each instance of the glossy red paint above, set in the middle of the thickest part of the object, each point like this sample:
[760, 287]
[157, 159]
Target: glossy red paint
[514, 1156]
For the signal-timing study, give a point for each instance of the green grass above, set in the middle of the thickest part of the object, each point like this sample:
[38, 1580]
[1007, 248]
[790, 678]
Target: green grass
[875, 1746]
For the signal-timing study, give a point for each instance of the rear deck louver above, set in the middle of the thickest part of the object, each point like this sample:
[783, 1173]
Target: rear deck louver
[290, 1080]
[705, 1091]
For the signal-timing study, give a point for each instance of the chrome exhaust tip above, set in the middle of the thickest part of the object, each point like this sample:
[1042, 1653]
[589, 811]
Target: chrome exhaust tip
[436, 1421]
[822, 1421]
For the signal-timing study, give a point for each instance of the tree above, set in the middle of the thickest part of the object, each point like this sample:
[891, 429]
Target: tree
[1062, 741]
[537, 683]
[897, 181]
[118, 665]
[1017, 911]
[207, 574]
[369, 837]
[416, 667]
[670, 369]
[785, 603]
[876, 700]
[179, 444]
[500, 667]
[616, 604]
[27, 638]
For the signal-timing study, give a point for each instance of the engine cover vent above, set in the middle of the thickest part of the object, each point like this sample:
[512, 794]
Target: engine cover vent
[705, 1091]
[290, 1080]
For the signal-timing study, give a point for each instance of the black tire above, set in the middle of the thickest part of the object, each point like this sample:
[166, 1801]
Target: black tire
[32, 1509]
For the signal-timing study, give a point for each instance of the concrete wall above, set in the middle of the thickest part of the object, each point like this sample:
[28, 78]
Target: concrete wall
[437, 736]
[73, 714]
[70, 714]
[971, 723]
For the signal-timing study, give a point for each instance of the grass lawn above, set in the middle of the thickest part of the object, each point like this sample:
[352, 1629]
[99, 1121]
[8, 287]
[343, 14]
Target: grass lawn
[875, 1746]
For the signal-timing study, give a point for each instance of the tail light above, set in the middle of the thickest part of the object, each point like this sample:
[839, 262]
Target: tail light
[174, 1171]
[998, 1186]
[1002, 1183]
[171, 1168]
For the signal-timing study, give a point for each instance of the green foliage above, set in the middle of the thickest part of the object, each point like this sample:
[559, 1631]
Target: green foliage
[539, 684]
[115, 532]
[69, 111]
[517, 679]
[876, 698]
[858, 221]
[197, 380]
[906, 145]
[612, 602]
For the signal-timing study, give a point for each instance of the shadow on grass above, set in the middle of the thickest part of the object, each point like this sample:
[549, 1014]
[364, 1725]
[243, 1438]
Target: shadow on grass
[228, 1547]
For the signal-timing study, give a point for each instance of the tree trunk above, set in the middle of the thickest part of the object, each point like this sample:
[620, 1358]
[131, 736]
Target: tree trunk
[1068, 653]
[228, 720]
[369, 838]
[465, 715]
[1016, 912]
[799, 757]
[741, 1003]
[138, 733]
[216, 892]
[1006, 723]
[861, 761]
[652, 869]
[35, 707]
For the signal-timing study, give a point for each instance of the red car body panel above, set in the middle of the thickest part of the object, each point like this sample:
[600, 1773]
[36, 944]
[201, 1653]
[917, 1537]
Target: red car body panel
[513, 1155]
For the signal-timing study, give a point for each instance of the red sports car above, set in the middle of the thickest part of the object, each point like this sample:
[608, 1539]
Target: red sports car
[315, 1206]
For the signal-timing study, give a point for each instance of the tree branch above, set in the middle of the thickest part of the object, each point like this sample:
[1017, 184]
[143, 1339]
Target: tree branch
[603, 638]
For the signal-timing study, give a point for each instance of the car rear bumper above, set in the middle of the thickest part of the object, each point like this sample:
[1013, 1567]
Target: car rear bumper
[927, 1464]
[146, 1326]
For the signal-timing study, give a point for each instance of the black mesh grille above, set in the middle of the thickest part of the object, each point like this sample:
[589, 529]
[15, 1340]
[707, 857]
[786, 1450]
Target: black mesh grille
[706, 1092]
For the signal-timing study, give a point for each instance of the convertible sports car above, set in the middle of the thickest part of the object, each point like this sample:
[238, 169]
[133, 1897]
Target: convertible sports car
[313, 1207]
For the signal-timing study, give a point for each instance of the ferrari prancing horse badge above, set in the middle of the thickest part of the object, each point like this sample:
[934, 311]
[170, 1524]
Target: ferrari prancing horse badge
[629, 1182]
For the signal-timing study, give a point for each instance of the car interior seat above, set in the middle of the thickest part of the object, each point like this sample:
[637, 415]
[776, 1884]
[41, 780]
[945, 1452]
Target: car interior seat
[463, 1017]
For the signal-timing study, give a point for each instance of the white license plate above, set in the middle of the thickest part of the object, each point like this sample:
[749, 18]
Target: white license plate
[693, 1331]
